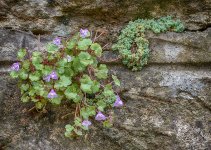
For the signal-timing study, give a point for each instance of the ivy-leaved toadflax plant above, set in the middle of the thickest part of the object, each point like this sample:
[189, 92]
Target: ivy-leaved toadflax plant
[68, 70]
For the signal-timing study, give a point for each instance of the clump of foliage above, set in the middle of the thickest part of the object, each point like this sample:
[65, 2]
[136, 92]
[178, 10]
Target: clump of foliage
[132, 44]
[69, 71]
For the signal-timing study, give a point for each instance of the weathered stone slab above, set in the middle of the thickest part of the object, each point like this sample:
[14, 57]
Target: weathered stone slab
[51, 16]
[168, 83]
[21, 129]
[187, 47]
[176, 48]
[151, 124]
[166, 107]
[11, 41]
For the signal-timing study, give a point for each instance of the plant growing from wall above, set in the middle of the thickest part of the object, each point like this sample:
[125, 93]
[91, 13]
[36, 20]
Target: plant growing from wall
[69, 71]
[132, 44]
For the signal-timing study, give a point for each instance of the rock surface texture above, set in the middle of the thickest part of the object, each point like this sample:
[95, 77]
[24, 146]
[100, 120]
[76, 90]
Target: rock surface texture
[167, 104]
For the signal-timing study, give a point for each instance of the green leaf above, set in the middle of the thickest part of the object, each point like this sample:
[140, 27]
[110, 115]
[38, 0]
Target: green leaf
[101, 105]
[39, 88]
[25, 98]
[116, 80]
[14, 74]
[23, 75]
[21, 54]
[39, 105]
[95, 87]
[34, 76]
[85, 58]
[86, 88]
[72, 93]
[107, 124]
[52, 48]
[108, 91]
[60, 70]
[78, 66]
[84, 113]
[47, 70]
[68, 71]
[33, 99]
[42, 92]
[71, 44]
[31, 92]
[84, 127]
[61, 63]
[84, 44]
[101, 72]
[63, 82]
[24, 87]
[78, 132]
[77, 122]
[26, 64]
[69, 128]
[97, 49]
[86, 84]
[68, 134]
[51, 57]
[57, 100]
[36, 54]
[61, 66]
[91, 110]
[36, 58]
[88, 111]
[38, 66]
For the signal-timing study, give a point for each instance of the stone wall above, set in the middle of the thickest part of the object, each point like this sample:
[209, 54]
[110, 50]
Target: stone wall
[167, 104]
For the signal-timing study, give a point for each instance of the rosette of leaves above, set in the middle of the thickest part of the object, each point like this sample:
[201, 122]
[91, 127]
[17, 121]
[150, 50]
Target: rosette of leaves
[132, 44]
[68, 71]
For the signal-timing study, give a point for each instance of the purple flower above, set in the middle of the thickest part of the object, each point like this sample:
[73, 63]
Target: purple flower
[15, 66]
[69, 58]
[84, 33]
[52, 94]
[86, 123]
[47, 78]
[118, 102]
[100, 116]
[57, 41]
[53, 75]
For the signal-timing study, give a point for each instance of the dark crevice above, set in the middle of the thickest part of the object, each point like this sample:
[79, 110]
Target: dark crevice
[119, 63]
[8, 28]
[185, 64]
[4, 141]
[2, 17]
[204, 28]
[40, 32]
[63, 19]
[6, 63]
[204, 104]
[28, 32]
[51, 3]
[196, 64]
